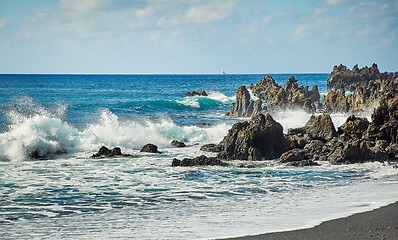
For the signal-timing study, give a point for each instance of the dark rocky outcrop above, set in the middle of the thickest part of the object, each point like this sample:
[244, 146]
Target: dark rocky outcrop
[289, 96]
[354, 127]
[211, 147]
[384, 125]
[244, 107]
[194, 93]
[356, 141]
[293, 155]
[176, 143]
[367, 85]
[198, 161]
[320, 128]
[150, 148]
[302, 163]
[104, 152]
[261, 138]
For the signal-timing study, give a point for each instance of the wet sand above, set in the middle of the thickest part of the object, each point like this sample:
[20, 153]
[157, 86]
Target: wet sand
[381, 223]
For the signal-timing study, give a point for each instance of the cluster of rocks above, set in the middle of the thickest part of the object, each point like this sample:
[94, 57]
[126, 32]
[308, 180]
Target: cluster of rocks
[274, 97]
[104, 152]
[343, 78]
[367, 85]
[289, 96]
[194, 93]
[356, 141]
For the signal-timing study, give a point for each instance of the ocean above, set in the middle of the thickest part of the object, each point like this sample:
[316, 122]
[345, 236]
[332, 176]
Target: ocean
[66, 194]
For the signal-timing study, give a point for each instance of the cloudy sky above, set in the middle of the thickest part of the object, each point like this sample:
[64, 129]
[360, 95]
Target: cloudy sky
[196, 36]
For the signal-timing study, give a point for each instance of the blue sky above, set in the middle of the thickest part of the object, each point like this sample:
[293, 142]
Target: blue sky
[196, 36]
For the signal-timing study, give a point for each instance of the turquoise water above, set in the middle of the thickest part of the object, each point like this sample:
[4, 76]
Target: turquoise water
[72, 196]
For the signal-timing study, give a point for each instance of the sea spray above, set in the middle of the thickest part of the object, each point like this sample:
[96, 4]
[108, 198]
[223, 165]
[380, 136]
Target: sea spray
[37, 136]
[40, 135]
[110, 131]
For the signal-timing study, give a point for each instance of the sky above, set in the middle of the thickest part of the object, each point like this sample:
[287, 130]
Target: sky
[196, 36]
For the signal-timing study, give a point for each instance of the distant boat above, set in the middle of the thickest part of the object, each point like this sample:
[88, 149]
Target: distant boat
[222, 71]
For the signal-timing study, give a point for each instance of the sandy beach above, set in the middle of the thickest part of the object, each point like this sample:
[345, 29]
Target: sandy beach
[381, 223]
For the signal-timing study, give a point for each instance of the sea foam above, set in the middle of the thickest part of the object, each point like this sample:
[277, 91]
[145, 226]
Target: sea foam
[42, 135]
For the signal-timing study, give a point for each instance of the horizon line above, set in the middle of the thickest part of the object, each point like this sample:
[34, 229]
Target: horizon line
[159, 73]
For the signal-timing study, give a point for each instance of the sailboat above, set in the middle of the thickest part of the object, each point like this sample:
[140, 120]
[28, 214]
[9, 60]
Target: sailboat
[222, 71]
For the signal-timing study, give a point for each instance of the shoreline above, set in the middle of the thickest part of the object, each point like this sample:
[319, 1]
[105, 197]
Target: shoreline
[380, 223]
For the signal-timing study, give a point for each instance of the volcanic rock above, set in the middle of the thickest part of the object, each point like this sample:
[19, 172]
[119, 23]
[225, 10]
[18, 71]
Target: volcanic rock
[194, 93]
[176, 143]
[354, 127]
[150, 148]
[212, 147]
[244, 107]
[320, 128]
[302, 163]
[289, 96]
[293, 155]
[367, 85]
[261, 138]
[198, 161]
[384, 125]
[105, 152]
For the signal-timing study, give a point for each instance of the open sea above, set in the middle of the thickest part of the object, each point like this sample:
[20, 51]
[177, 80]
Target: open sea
[72, 196]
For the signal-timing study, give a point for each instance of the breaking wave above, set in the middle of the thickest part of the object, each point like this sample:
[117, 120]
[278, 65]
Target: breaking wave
[42, 135]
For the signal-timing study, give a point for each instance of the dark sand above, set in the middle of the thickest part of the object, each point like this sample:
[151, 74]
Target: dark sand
[380, 223]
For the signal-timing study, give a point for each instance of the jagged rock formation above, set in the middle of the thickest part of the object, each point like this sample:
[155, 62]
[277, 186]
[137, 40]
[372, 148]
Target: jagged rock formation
[244, 107]
[261, 138]
[289, 96]
[368, 85]
[384, 125]
[194, 93]
[356, 141]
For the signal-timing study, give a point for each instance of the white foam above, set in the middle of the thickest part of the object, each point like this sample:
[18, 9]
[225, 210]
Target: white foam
[292, 118]
[48, 135]
[190, 102]
[252, 96]
[218, 96]
[40, 133]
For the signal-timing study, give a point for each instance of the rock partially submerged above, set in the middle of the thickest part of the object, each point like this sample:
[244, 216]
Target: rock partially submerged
[150, 148]
[194, 93]
[211, 147]
[198, 161]
[104, 152]
[176, 143]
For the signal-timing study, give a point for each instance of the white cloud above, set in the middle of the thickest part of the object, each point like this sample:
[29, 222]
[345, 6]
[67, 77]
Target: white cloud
[320, 11]
[266, 20]
[210, 12]
[3, 23]
[301, 31]
[336, 2]
[83, 5]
